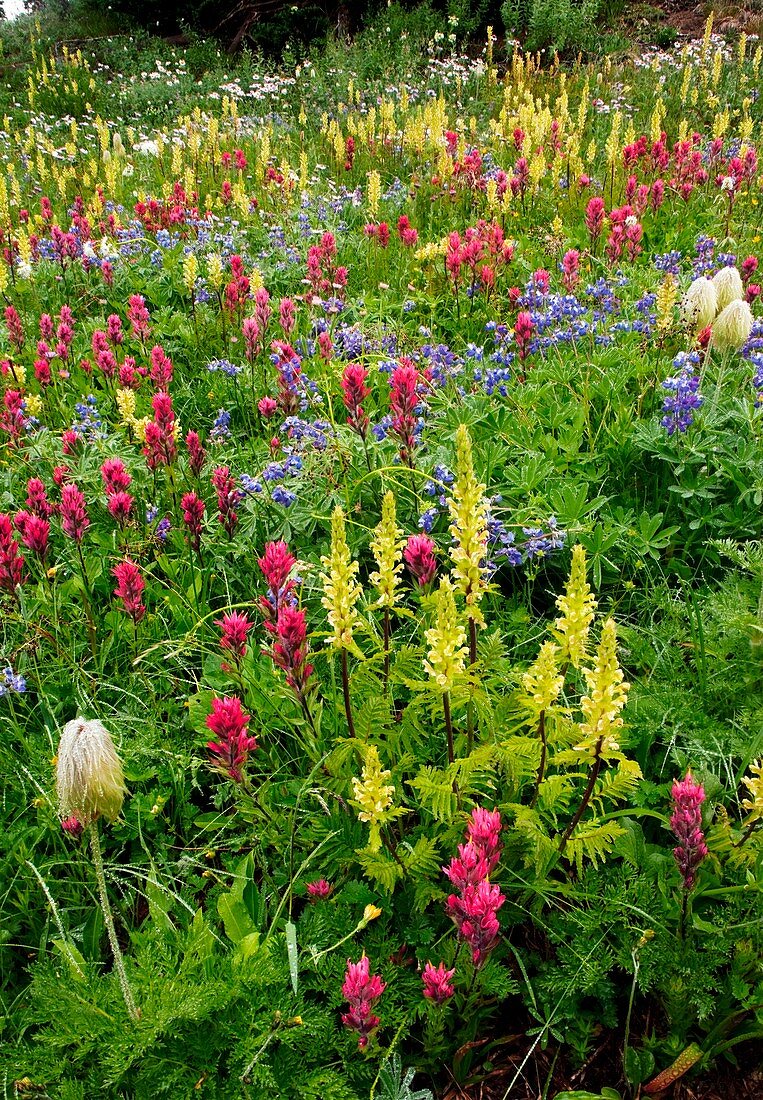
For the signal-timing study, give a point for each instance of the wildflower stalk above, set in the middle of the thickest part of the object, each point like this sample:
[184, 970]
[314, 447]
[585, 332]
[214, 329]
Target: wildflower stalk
[95, 847]
[592, 777]
[448, 725]
[346, 694]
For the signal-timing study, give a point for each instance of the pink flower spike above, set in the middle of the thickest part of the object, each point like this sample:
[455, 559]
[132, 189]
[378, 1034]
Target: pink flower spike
[436, 981]
[319, 890]
[74, 518]
[419, 557]
[361, 989]
[234, 628]
[686, 823]
[129, 589]
[229, 724]
[11, 560]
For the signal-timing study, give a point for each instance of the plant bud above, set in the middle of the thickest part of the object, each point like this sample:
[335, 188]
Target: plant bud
[732, 326]
[89, 776]
[699, 305]
[728, 286]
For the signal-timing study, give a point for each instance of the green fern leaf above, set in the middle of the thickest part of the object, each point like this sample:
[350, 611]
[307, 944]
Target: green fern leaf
[380, 868]
[593, 841]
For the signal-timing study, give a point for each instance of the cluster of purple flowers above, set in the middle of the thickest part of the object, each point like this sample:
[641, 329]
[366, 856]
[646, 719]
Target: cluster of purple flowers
[683, 393]
[88, 424]
[753, 353]
[11, 682]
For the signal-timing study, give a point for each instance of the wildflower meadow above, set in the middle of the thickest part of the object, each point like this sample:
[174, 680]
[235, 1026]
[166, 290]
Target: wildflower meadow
[381, 573]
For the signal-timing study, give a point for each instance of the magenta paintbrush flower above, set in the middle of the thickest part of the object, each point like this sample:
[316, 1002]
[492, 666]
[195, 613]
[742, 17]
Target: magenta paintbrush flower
[437, 983]
[686, 823]
[229, 724]
[361, 989]
[130, 588]
[74, 518]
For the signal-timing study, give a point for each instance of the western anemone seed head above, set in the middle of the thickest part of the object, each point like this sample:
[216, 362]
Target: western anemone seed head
[728, 286]
[89, 777]
[699, 304]
[732, 326]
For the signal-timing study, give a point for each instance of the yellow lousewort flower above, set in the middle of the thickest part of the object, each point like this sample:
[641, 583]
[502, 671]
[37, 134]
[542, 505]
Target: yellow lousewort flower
[33, 404]
[577, 606]
[699, 304]
[607, 695]
[341, 591]
[666, 299]
[754, 784]
[89, 777]
[732, 326]
[728, 287]
[190, 271]
[542, 681]
[374, 192]
[468, 511]
[445, 639]
[373, 797]
[387, 548]
[126, 405]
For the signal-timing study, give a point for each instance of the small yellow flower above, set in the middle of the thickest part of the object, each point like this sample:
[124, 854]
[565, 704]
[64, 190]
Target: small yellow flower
[341, 590]
[446, 638]
[373, 799]
[577, 606]
[387, 548]
[542, 681]
[371, 912]
[607, 696]
[468, 511]
[754, 784]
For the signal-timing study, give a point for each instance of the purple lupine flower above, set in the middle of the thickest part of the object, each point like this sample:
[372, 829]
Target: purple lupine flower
[683, 393]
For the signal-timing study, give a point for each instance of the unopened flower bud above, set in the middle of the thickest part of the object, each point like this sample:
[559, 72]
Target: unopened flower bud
[733, 326]
[89, 776]
[700, 304]
[728, 286]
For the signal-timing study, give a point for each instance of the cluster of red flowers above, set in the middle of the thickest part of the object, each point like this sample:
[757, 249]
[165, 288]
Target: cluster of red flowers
[361, 989]
[285, 621]
[229, 724]
[473, 910]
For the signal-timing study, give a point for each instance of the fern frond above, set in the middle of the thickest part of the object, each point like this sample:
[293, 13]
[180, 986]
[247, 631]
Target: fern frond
[593, 841]
[617, 784]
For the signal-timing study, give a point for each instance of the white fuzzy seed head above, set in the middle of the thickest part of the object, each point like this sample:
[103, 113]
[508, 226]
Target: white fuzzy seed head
[732, 326]
[699, 305]
[89, 777]
[728, 287]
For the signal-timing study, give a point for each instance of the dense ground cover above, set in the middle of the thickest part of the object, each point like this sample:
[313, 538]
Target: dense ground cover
[369, 480]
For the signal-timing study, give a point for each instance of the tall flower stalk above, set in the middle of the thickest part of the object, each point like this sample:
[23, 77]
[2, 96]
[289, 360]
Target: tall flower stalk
[607, 693]
[387, 548]
[468, 512]
[447, 652]
[341, 593]
[90, 785]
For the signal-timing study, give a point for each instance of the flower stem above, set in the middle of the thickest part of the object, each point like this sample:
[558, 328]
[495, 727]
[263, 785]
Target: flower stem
[346, 694]
[470, 704]
[593, 776]
[448, 725]
[95, 847]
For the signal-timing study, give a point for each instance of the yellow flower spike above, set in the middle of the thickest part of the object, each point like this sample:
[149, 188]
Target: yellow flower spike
[374, 193]
[468, 511]
[373, 797]
[754, 784]
[126, 405]
[447, 652]
[190, 272]
[543, 681]
[666, 300]
[577, 606]
[387, 548]
[341, 590]
[607, 696]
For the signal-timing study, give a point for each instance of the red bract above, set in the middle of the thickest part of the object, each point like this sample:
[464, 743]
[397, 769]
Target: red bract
[11, 559]
[276, 564]
[74, 518]
[523, 330]
[229, 724]
[120, 507]
[594, 217]
[161, 368]
[129, 589]
[34, 532]
[403, 401]
[319, 889]
[193, 513]
[115, 476]
[437, 985]
[354, 393]
[161, 448]
[361, 989]
[228, 497]
[291, 649]
[419, 557]
[37, 498]
[473, 910]
[287, 315]
[686, 823]
[139, 317]
[196, 453]
[234, 628]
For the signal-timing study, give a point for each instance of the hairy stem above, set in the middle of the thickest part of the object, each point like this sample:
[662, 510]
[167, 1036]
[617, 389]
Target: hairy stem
[95, 847]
